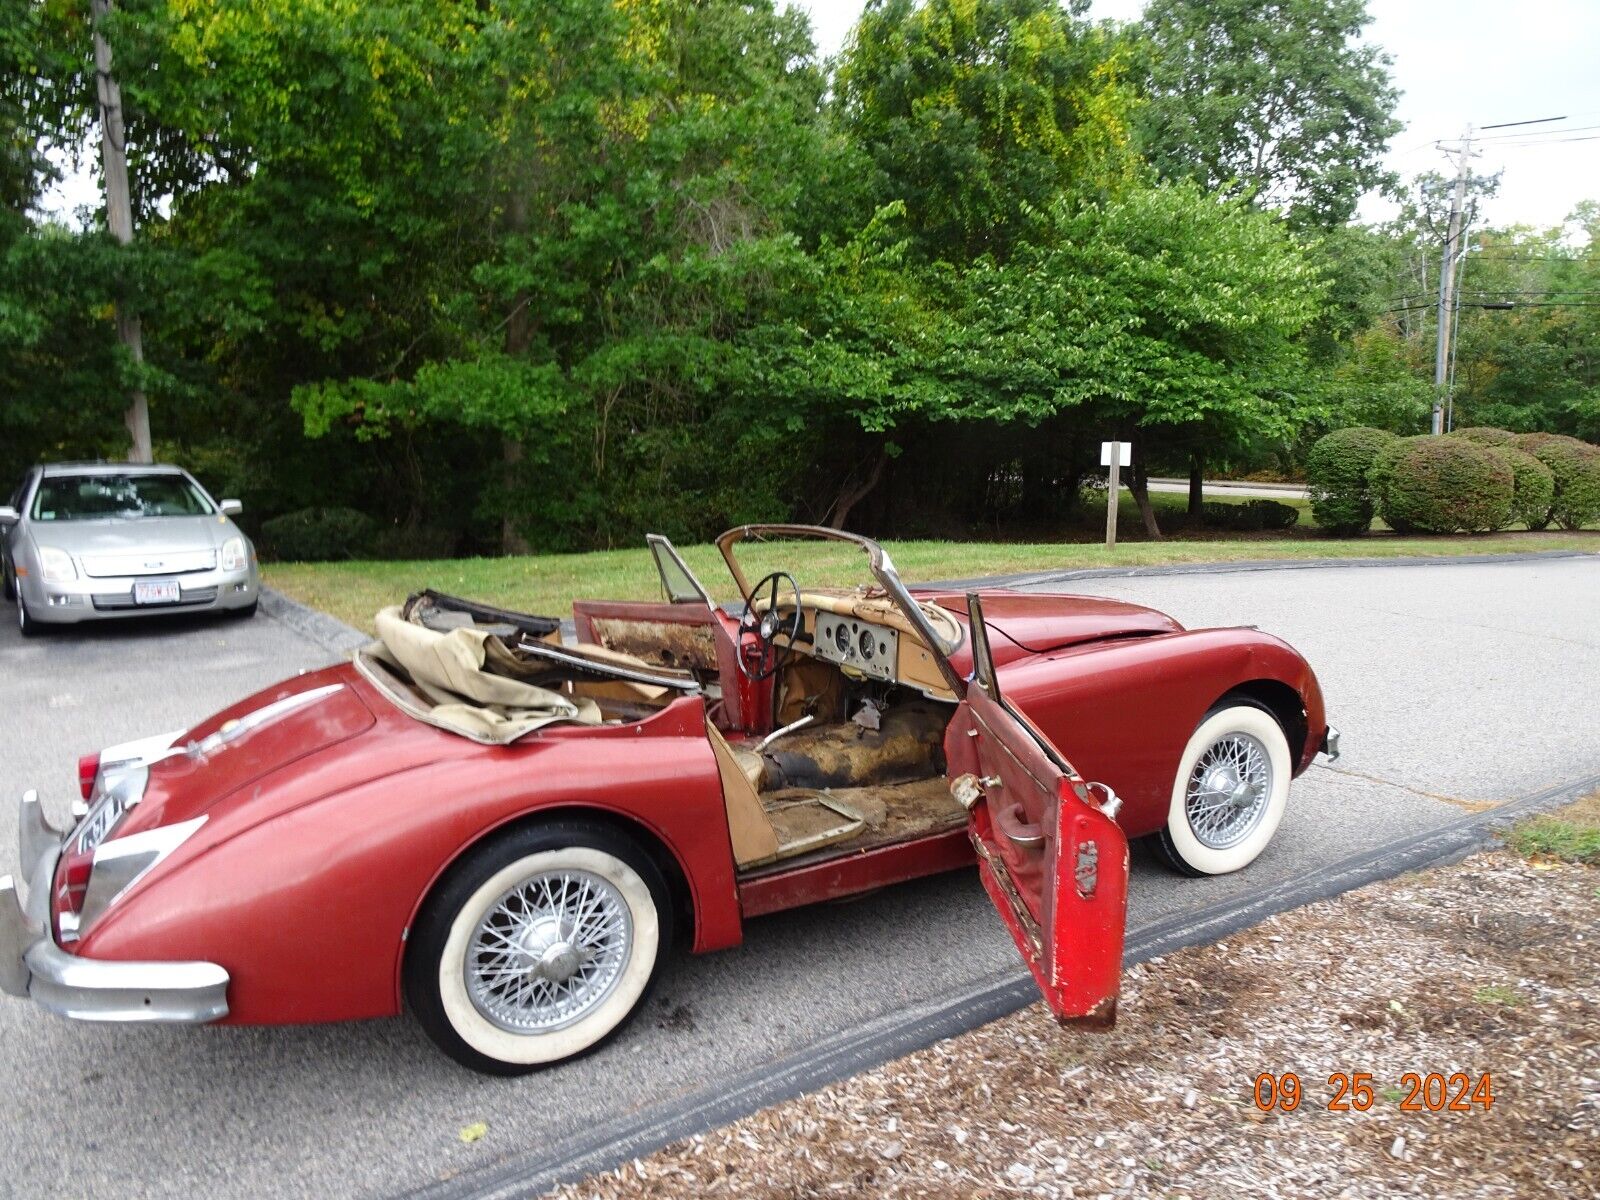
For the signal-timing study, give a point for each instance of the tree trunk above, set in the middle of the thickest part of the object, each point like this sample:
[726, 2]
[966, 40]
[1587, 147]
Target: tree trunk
[851, 494]
[1139, 485]
[519, 336]
[1197, 495]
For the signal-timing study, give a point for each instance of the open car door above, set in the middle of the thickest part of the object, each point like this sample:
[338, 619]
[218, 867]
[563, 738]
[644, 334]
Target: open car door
[1050, 854]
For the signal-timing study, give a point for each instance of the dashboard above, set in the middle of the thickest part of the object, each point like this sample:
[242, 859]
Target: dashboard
[849, 642]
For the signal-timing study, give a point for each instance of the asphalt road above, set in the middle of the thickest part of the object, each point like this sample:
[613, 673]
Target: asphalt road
[1455, 685]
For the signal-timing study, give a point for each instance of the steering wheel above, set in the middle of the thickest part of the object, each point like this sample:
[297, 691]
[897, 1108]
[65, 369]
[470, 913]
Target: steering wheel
[767, 628]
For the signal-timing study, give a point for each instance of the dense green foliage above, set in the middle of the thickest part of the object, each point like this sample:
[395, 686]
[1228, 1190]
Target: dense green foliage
[1486, 435]
[1533, 485]
[1575, 467]
[1249, 517]
[1338, 477]
[550, 273]
[1284, 100]
[1446, 485]
[318, 535]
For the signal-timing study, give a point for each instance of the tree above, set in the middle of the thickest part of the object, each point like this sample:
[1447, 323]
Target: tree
[975, 111]
[1169, 316]
[1280, 100]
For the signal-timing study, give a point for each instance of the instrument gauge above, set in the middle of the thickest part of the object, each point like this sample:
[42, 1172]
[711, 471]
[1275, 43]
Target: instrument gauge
[841, 638]
[867, 647]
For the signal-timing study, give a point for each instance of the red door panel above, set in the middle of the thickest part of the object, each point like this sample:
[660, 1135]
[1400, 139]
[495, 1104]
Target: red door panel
[1054, 864]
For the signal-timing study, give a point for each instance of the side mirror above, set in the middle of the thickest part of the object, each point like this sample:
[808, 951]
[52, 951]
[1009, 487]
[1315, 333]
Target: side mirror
[8, 515]
[230, 508]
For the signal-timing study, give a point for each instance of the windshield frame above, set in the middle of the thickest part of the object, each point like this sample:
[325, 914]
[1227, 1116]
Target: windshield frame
[878, 562]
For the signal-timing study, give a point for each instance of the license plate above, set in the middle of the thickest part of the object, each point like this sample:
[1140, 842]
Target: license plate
[156, 591]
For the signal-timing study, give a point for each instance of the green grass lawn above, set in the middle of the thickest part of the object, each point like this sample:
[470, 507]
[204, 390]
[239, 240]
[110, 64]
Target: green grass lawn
[548, 583]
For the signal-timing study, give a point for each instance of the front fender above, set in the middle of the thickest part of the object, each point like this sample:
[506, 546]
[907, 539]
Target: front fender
[308, 911]
[1122, 711]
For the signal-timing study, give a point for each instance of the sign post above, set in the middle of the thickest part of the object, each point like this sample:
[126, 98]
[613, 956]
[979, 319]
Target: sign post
[1111, 456]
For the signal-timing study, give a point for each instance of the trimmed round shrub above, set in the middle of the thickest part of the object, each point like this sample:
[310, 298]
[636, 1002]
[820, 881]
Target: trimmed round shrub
[317, 535]
[1337, 472]
[1446, 485]
[1250, 517]
[1486, 435]
[1576, 467]
[1381, 473]
[1533, 486]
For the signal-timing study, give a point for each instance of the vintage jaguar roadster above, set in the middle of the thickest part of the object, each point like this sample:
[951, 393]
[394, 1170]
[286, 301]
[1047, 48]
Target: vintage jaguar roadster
[503, 829]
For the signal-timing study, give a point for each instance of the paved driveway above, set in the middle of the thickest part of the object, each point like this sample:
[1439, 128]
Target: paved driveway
[1455, 684]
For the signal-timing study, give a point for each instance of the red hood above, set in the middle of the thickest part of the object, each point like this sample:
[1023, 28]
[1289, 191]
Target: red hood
[241, 745]
[1041, 621]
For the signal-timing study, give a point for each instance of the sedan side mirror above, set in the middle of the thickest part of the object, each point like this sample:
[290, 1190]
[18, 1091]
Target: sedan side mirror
[230, 508]
[9, 515]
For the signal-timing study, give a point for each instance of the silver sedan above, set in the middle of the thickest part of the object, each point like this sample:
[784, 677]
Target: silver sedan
[91, 541]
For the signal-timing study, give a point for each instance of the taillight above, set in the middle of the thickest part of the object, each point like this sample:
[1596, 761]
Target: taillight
[72, 882]
[88, 772]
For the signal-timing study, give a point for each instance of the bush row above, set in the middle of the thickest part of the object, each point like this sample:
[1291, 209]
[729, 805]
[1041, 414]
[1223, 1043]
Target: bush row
[1470, 481]
[334, 534]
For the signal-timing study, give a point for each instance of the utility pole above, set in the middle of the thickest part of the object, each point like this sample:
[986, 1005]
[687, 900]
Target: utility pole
[1447, 276]
[119, 217]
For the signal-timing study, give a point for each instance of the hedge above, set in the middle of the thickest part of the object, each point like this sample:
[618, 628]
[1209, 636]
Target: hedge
[1381, 475]
[1533, 485]
[1446, 485]
[317, 535]
[1486, 435]
[1576, 468]
[1250, 516]
[1337, 470]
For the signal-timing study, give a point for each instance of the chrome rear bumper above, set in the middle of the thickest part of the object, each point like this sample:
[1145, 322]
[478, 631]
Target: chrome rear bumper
[1330, 743]
[88, 989]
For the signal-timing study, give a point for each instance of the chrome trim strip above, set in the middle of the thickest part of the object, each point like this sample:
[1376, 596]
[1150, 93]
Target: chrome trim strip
[119, 863]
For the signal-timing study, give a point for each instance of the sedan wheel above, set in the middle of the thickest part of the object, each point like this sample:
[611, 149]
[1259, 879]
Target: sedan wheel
[1230, 792]
[26, 625]
[538, 947]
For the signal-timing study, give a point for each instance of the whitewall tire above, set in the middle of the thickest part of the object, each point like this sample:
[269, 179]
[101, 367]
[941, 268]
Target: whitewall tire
[539, 946]
[1230, 791]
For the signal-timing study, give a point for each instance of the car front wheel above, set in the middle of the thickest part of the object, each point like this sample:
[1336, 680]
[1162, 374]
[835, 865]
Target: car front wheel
[26, 625]
[1230, 792]
[539, 946]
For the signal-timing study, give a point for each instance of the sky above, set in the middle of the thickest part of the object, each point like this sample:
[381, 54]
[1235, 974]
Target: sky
[1455, 61]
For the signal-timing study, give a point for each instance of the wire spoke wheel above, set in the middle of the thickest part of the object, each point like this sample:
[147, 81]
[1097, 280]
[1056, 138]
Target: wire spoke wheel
[1228, 790]
[549, 951]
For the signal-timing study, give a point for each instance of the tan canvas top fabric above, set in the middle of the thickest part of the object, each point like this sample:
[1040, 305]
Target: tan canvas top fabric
[448, 668]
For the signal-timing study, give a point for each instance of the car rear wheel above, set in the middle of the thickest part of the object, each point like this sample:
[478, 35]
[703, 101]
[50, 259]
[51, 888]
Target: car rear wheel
[1230, 791]
[10, 587]
[538, 947]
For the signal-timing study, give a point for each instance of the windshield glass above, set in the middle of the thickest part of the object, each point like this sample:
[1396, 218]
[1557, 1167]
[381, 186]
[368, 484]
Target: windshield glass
[100, 497]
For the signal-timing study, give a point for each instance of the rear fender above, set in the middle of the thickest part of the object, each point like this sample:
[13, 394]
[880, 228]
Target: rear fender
[308, 912]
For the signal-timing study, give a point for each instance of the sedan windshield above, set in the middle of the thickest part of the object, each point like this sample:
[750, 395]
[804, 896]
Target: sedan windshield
[100, 497]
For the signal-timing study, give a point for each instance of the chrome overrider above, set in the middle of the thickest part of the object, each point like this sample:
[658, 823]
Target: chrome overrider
[33, 964]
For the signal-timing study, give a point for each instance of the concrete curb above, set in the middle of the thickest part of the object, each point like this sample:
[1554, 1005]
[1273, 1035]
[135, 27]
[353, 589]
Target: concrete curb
[898, 1034]
[1035, 578]
[315, 626]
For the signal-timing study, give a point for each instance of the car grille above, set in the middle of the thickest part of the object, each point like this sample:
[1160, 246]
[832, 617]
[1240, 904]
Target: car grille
[175, 562]
[123, 601]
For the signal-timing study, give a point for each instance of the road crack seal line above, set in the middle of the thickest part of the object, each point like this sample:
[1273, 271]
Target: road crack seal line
[611, 1143]
[1471, 806]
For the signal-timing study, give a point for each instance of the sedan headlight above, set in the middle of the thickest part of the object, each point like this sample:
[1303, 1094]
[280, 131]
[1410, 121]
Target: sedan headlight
[233, 555]
[55, 566]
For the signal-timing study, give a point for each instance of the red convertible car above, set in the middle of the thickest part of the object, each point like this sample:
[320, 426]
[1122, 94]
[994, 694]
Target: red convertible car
[503, 830]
